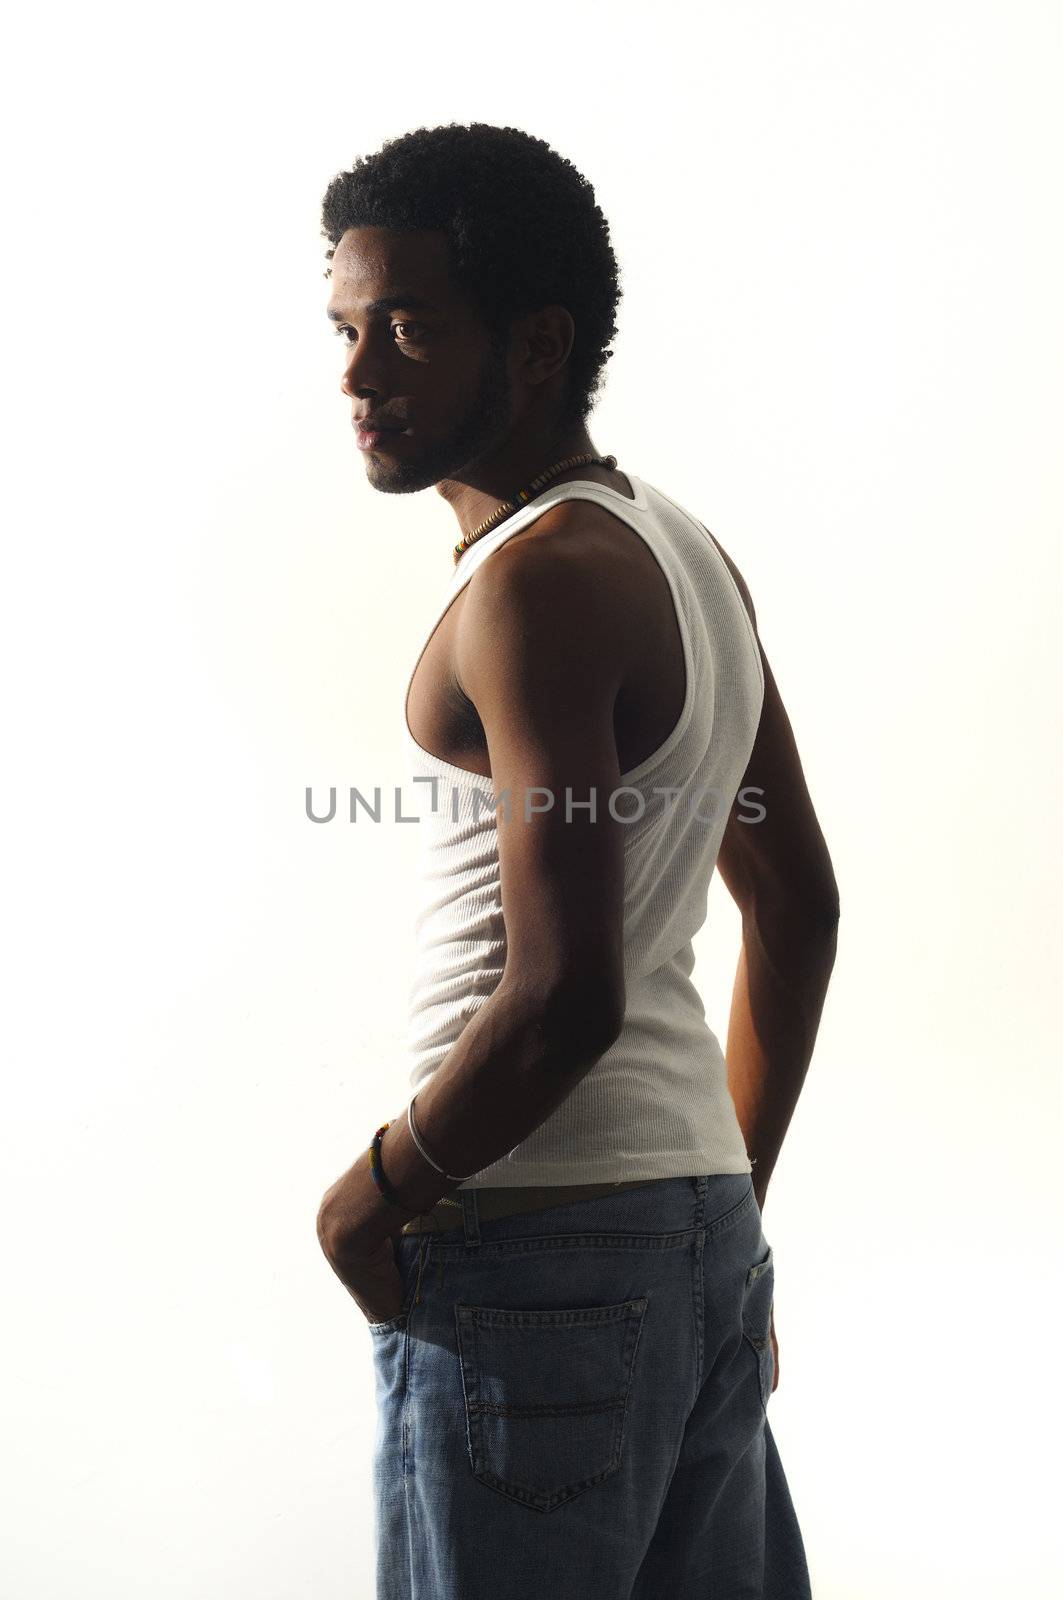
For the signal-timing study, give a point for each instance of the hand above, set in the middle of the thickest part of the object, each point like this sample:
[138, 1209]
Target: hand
[775, 1352]
[372, 1278]
[357, 1231]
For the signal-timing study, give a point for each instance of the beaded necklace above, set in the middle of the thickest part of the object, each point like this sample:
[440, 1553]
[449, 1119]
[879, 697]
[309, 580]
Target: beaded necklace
[522, 496]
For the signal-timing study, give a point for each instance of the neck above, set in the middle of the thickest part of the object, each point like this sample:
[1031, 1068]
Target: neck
[514, 466]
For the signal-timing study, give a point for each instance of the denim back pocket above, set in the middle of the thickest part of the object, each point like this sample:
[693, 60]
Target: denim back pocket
[546, 1396]
[756, 1318]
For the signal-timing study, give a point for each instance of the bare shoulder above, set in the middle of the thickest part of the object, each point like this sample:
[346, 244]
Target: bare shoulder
[567, 578]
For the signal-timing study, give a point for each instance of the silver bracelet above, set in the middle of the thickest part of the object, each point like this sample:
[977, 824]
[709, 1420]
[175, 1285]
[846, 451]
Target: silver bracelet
[421, 1148]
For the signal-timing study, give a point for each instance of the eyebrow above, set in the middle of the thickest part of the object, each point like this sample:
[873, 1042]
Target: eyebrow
[389, 302]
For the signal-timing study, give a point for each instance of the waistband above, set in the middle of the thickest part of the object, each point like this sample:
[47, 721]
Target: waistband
[496, 1202]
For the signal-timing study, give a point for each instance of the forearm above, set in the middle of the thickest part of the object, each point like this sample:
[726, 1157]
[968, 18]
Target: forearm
[780, 987]
[516, 1060]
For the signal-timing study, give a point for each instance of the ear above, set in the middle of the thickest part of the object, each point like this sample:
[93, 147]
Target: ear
[543, 342]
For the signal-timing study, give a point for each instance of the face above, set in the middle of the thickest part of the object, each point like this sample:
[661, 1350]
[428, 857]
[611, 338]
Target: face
[420, 359]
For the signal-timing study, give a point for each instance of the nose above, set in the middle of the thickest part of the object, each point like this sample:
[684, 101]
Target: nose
[361, 376]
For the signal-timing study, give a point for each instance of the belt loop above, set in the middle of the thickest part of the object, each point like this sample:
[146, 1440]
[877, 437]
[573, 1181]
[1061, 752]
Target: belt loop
[470, 1216]
[701, 1187]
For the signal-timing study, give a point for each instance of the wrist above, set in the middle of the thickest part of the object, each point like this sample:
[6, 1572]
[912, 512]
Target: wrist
[414, 1180]
[403, 1188]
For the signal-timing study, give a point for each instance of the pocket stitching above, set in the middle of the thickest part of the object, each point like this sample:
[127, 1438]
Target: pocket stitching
[760, 1343]
[469, 1318]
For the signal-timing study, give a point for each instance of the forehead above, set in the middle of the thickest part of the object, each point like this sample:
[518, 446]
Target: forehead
[370, 263]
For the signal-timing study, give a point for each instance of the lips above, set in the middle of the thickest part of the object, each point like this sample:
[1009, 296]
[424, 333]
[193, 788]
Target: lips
[371, 437]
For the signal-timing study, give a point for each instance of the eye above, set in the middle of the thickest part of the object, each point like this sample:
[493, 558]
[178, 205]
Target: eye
[345, 332]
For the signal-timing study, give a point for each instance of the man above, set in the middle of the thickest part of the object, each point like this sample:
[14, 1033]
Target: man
[597, 652]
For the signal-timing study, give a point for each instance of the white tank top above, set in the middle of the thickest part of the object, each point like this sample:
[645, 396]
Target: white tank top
[657, 1103]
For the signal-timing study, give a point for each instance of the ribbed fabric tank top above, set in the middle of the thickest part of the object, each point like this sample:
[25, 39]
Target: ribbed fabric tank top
[657, 1103]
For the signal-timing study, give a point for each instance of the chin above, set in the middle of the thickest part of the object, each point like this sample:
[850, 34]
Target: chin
[392, 478]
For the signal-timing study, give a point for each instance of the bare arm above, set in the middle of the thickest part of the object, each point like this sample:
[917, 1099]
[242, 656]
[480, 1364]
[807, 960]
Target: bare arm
[779, 872]
[536, 653]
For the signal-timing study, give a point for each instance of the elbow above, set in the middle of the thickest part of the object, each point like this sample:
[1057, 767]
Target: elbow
[816, 909]
[579, 1018]
[586, 1009]
[825, 914]
[802, 923]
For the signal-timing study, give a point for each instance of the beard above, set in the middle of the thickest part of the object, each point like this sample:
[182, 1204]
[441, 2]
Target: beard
[484, 422]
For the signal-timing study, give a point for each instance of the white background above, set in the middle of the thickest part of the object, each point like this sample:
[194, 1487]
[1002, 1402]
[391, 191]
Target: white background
[840, 346]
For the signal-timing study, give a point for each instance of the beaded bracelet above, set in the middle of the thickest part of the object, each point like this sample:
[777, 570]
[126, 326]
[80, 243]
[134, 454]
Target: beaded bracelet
[376, 1166]
[377, 1170]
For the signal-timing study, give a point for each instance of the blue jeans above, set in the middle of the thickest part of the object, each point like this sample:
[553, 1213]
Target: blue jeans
[573, 1404]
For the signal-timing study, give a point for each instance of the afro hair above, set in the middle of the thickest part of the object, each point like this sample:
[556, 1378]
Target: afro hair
[523, 227]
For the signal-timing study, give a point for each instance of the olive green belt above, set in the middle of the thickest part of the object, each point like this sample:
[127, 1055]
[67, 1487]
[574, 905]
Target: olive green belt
[495, 1202]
